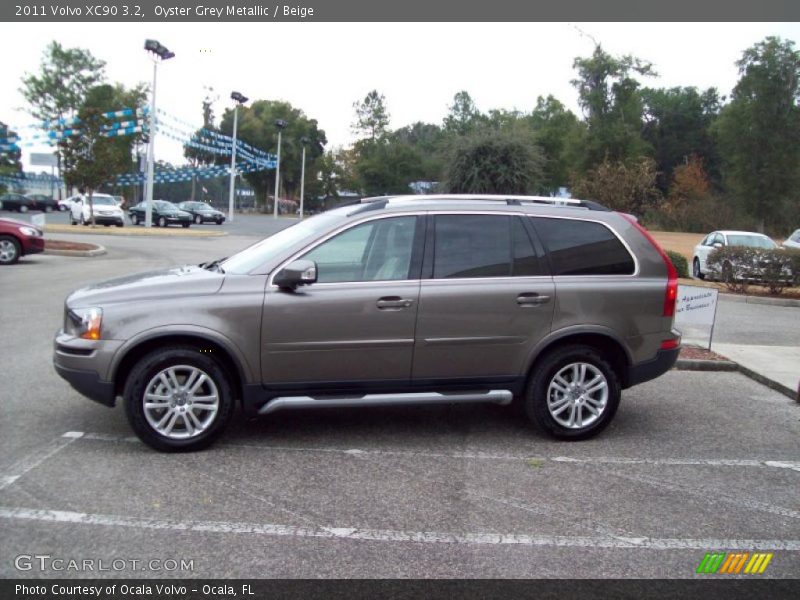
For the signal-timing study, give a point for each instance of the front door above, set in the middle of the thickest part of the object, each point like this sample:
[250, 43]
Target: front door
[357, 322]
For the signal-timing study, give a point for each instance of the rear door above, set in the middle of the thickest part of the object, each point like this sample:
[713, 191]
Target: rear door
[486, 297]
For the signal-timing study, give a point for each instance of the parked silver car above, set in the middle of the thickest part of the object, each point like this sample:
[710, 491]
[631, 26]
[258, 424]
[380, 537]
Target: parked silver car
[559, 304]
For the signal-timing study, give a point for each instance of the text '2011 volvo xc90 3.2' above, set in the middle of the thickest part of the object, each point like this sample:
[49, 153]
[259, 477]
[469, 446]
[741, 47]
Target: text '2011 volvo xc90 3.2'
[414, 300]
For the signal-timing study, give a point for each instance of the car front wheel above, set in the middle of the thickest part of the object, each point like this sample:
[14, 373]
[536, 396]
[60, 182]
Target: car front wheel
[162, 222]
[573, 393]
[198, 220]
[9, 250]
[23, 208]
[178, 399]
[135, 219]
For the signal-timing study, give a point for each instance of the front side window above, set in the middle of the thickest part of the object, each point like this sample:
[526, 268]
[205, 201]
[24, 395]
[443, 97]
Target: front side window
[378, 250]
[583, 248]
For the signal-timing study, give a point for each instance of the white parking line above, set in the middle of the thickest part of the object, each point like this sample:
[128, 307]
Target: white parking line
[18, 469]
[390, 535]
[709, 462]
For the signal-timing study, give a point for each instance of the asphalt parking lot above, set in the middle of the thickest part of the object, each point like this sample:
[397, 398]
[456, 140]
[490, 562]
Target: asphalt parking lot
[694, 462]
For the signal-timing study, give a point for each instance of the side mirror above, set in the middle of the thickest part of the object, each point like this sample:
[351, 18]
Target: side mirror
[298, 272]
[717, 244]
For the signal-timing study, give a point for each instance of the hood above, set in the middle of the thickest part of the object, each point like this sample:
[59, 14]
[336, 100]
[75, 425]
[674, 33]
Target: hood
[188, 280]
[16, 223]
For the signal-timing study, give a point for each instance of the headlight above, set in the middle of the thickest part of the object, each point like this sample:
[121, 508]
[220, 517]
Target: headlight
[30, 231]
[84, 322]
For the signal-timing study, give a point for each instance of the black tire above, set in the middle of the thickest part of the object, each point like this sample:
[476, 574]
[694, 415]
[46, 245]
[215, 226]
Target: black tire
[696, 269]
[48, 209]
[72, 220]
[120, 224]
[135, 219]
[23, 208]
[10, 250]
[151, 365]
[198, 220]
[537, 394]
[219, 221]
[185, 225]
[162, 221]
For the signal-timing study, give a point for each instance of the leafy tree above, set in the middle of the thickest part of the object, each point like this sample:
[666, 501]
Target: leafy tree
[428, 141]
[58, 90]
[92, 159]
[498, 163]
[759, 131]
[372, 116]
[463, 116]
[559, 134]
[9, 159]
[677, 124]
[609, 96]
[387, 168]
[256, 126]
[628, 187]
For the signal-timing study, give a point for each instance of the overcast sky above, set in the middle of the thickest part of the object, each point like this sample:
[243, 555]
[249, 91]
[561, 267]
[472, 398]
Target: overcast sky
[322, 68]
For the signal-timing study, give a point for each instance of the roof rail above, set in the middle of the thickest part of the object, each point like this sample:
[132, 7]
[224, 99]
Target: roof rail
[511, 200]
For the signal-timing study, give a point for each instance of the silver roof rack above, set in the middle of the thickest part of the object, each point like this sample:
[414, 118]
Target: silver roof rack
[507, 199]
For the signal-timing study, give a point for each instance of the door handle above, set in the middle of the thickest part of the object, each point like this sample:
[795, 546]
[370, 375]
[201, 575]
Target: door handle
[394, 302]
[532, 299]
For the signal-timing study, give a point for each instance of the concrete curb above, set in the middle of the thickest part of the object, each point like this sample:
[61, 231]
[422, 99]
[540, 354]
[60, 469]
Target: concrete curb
[686, 364]
[692, 364]
[175, 232]
[98, 251]
[759, 300]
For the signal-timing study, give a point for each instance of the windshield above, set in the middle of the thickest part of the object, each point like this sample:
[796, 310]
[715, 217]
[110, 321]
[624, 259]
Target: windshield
[751, 241]
[263, 251]
[102, 200]
[164, 205]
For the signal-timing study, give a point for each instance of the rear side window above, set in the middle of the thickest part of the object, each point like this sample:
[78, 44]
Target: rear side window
[583, 248]
[468, 246]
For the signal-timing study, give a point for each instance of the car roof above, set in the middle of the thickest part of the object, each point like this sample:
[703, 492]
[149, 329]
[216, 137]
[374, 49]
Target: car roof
[734, 232]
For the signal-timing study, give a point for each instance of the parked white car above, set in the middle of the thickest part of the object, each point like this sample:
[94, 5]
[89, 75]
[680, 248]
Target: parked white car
[793, 241]
[720, 239]
[106, 211]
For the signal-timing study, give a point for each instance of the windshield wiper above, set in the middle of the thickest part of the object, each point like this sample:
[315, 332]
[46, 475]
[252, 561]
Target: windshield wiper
[213, 265]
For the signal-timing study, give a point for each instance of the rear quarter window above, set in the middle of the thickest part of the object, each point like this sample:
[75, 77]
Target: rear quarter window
[583, 248]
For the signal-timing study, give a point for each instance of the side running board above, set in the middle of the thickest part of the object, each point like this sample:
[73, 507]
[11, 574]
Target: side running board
[299, 402]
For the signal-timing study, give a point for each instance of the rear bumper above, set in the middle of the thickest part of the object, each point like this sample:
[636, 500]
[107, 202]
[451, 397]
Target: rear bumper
[645, 371]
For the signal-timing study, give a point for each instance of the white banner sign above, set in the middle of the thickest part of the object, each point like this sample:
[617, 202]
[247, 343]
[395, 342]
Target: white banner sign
[696, 305]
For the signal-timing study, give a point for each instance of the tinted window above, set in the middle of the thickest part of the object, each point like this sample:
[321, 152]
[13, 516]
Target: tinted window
[378, 250]
[472, 246]
[583, 248]
[526, 261]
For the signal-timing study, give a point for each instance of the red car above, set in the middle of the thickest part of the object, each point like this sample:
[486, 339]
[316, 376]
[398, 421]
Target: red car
[18, 238]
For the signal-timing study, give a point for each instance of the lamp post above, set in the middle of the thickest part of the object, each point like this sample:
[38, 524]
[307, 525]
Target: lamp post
[158, 53]
[303, 140]
[238, 99]
[280, 124]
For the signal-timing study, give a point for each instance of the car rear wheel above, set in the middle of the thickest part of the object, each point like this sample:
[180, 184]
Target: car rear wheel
[198, 220]
[162, 222]
[185, 225]
[48, 209]
[135, 219]
[23, 208]
[696, 269]
[178, 399]
[9, 250]
[573, 393]
[219, 221]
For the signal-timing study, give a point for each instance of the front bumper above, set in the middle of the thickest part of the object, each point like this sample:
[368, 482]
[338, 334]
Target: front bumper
[85, 364]
[89, 384]
[107, 219]
[33, 245]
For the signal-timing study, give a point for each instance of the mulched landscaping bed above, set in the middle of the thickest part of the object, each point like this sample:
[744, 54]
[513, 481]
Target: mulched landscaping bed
[61, 245]
[696, 353]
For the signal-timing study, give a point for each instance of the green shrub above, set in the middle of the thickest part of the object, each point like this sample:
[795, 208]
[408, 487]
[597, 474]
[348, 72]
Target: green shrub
[739, 266]
[679, 262]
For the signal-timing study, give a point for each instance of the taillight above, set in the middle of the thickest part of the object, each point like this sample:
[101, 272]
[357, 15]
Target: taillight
[671, 293]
